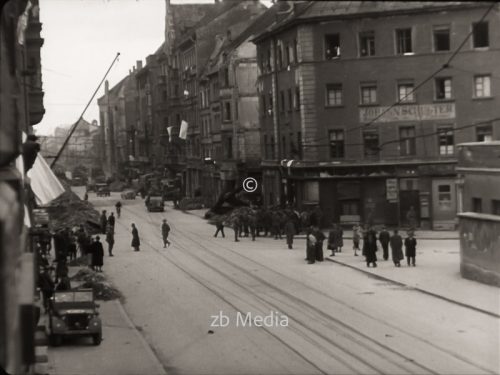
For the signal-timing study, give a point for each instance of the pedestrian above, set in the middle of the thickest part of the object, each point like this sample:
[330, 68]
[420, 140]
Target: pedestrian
[411, 218]
[396, 243]
[290, 232]
[71, 246]
[320, 238]
[165, 230]
[86, 196]
[236, 222]
[111, 221]
[97, 255]
[276, 230]
[356, 237]
[331, 240]
[370, 248]
[384, 238]
[136, 242]
[410, 248]
[118, 207]
[46, 286]
[110, 239]
[219, 224]
[104, 222]
[311, 246]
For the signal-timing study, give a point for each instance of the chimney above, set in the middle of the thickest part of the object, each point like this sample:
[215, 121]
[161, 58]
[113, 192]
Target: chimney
[139, 64]
[106, 87]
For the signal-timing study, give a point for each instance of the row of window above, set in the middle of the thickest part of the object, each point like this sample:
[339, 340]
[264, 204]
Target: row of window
[286, 55]
[288, 100]
[292, 149]
[477, 206]
[407, 141]
[443, 90]
[404, 41]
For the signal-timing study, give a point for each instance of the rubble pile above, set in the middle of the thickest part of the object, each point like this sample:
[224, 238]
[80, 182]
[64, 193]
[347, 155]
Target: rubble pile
[80, 261]
[97, 282]
[187, 204]
[69, 210]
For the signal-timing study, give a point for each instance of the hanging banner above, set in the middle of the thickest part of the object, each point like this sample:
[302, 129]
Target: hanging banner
[391, 187]
[183, 131]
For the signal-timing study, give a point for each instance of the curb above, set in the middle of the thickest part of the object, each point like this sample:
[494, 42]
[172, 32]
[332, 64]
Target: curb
[149, 349]
[383, 278]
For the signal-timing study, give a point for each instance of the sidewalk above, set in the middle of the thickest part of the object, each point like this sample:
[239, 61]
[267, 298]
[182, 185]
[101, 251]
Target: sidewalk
[122, 351]
[437, 273]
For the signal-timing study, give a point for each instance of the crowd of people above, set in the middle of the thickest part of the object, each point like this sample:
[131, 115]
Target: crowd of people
[369, 248]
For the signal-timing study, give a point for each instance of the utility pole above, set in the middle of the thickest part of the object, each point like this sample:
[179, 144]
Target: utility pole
[73, 128]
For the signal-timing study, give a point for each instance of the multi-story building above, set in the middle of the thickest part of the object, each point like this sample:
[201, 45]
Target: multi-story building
[189, 48]
[479, 210]
[228, 105]
[362, 104]
[21, 107]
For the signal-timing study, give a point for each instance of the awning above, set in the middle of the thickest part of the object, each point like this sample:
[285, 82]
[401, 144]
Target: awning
[44, 183]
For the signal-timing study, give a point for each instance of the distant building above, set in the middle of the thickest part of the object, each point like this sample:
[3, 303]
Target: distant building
[329, 74]
[479, 214]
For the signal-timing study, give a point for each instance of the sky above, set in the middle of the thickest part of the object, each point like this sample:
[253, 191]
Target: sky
[81, 39]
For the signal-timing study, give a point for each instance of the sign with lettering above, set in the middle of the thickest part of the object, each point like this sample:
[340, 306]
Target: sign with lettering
[391, 187]
[408, 112]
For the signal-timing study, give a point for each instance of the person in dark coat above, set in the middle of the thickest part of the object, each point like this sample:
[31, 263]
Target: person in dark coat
[220, 228]
[165, 230]
[370, 248]
[320, 238]
[136, 242]
[384, 238]
[65, 283]
[276, 230]
[118, 207]
[104, 222]
[97, 255]
[110, 239]
[410, 248]
[396, 243]
[290, 232]
[46, 285]
[71, 246]
[356, 237]
[111, 220]
[311, 241]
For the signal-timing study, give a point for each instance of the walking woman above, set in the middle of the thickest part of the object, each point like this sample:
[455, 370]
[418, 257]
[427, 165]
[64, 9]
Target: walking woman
[311, 246]
[396, 243]
[136, 242]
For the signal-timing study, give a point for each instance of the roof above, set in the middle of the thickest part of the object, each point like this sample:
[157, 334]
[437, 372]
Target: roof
[115, 89]
[312, 11]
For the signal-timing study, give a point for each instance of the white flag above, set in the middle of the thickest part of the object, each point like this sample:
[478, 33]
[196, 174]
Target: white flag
[169, 130]
[184, 130]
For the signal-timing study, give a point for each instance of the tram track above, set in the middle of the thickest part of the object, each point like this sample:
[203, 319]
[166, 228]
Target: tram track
[348, 332]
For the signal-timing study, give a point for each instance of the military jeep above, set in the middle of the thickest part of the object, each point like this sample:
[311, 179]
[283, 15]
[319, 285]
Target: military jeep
[74, 313]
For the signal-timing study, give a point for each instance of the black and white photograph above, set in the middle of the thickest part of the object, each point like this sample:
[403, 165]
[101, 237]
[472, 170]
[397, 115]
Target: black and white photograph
[249, 187]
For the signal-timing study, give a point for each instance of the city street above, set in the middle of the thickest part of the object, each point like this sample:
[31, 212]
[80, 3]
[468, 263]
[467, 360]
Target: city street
[339, 319]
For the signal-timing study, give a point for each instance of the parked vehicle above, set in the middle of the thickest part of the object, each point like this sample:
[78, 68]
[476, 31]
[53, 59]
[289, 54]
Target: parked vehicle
[74, 313]
[128, 194]
[155, 204]
[102, 190]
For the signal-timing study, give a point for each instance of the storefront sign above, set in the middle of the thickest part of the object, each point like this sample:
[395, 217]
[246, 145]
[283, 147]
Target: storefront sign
[391, 187]
[408, 112]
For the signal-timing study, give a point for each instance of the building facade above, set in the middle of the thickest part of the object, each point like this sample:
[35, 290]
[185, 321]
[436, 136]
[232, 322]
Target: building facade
[479, 215]
[196, 59]
[21, 107]
[361, 107]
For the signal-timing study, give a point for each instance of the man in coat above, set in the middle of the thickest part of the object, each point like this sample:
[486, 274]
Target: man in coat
[219, 224]
[370, 248]
[165, 230]
[136, 242]
[396, 243]
[410, 248]
[104, 222]
[384, 238]
[290, 232]
[111, 221]
[110, 239]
